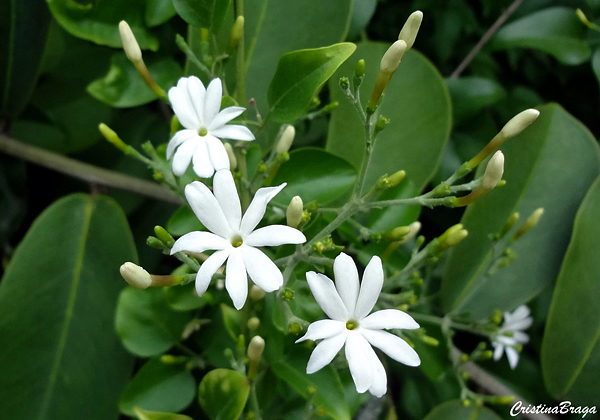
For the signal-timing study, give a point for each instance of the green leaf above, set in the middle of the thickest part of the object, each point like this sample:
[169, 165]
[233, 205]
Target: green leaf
[299, 75]
[571, 347]
[122, 87]
[57, 302]
[184, 298]
[208, 14]
[555, 30]
[329, 394]
[455, 410]
[184, 221]
[596, 63]
[145, 322]
[98, 21]
[154, 415]
[471, 94]
[232, 319]
[23, 32]
[223, 394]
[550, 165]
[158, 12]
[314, 175]
[159, 386]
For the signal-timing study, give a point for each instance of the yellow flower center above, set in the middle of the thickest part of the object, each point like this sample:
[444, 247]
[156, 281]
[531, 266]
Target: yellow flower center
[203, 132]
[237, 241]
[352, 325]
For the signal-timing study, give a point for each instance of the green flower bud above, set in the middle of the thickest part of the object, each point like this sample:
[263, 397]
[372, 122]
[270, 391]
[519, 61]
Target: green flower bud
[154, 242]
[397, 234]
[237, 30]
[330, 107]
[510, 223]
[344, 83]
[253, 323]
[359, 69]
[164, 236]
[112, 137]
[287, 294]
[295, 328]
[530, 223]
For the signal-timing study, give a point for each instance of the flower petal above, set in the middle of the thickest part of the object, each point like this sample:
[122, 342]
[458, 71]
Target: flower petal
[369, 288]
[182, 105]
[325, 351]
[327, 296]
[360, 364]
[206, 208]
[179, 137]
[236, 280]
[202, 165]
[498, 350]
[225, 116]
[389, 318]
[346, 280]
[197, 94]
[393, 346]
[234, 132]
[379, 386]
[505, 340]
[275, 235]
[183, 156]
[324, 328]
[521, 312]
[217, 153]
[199, 242]
[256, 210]
[513, 357]
[208, 268]
[520, 337]
[212, 102]
[520, 324]
[261, 269]
[227, 196]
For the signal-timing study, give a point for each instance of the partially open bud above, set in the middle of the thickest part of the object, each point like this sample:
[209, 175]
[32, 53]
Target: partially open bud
[411, 28]
[286, 140]
[135, 275]
[294, 212]
[237, 30]
[392, 57]
[493, 171]
[231, 156]
[530, 223]
[130, 45]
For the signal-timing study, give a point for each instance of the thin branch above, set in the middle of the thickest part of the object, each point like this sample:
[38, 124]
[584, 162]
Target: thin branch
[85, 171]
[485, 38]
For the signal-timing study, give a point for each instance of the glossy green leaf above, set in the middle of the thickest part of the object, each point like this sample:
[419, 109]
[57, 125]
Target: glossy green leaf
[314, 175]
[555, 30]
[232, 319]
[203, 13]
[299, 75]
[455, 410]
[596, 63]
[571, 347]
[57, 303]
[329, 394]
[550, 165]
[159, 386]
[223, 394]
[23, 32]
[471, 94]
[145, 322]
[184, 221]
[154, 415]
[98, 21]
[122, 87]
[158, 12]
[184, 298]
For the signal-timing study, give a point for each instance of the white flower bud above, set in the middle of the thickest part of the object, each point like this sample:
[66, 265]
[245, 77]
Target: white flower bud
[286, 140]
[411, 28]
[414, 227]
[294, 212]
[493, 171]
[130, 45]
[231, 156]
[518, 123]
[255, 348]
[392, 57]
[135, 275]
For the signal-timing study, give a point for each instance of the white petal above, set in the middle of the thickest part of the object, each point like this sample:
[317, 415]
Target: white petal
[236, 280]
[389, 318]
[325, 351]
[359, 362]
[379, 386]
[234, 132]
[261, 269]
[212, 102]
[324, 328]
[183, 156]
[217, 153]
[227, 196]
[225, 116]
[179, 137]
[513, 357]
[326, 296]
[498, 350]
[206, 208]
[521, 324]
[208, 268]
[521, 312]
[275, 235]
[393, 346]
[182, 105]
[369, 288]
[346, 280]
[256, 210]
[505, 340]
[520, 337]
[202, 165]
[197, 94]
[199, 242]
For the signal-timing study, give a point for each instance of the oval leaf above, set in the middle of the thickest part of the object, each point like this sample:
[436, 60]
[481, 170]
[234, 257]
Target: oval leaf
[299, 75]
[203, 13]
[57, 302]
[455, 410]
[154, 415]
[471, 94]
[223, 394]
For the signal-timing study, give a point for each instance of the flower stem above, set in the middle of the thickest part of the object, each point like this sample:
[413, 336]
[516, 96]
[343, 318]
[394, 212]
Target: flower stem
[240, 65]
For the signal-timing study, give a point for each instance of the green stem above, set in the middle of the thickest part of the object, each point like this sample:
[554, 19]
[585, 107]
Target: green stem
[240, 65]
[254, 401]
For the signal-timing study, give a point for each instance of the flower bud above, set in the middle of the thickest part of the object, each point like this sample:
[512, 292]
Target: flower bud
[112, 137]
[456, 237]
[510, 223]
[231, 156]
[530, 223]
[330, 107]
[256, 293]
[397, 234]
[237, 30]
[493, 171]
[135, 275]
[255, 348]
[294, 212]
[392, 57]
[414, 227]
[518, 123]
[253, 323]
[286, 140]
[130, 45]
[411, 28]
[359, 69]
[164, 236]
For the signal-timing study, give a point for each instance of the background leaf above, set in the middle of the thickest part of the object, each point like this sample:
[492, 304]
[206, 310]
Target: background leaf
[153, 415]
[471, 94]
[203, 13]
[223, 394]
[456, 411]
[56, 314]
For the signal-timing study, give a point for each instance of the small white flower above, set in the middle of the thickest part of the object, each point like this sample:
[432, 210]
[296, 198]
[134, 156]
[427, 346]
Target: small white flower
[197, 109]
[348, 305]
[234, 237]
[516, 323]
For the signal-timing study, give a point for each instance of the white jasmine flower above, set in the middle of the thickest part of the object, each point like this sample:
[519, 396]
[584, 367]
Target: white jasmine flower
[234, 237]
[197, 109]
[514, 323]
[348, 305]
